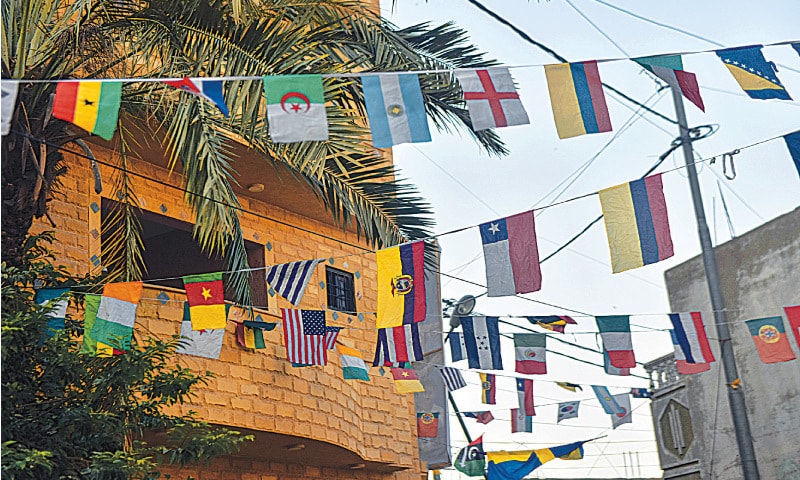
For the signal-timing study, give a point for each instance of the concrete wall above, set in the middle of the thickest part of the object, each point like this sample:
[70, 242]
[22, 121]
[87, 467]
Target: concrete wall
[259, 389]
[760, 274]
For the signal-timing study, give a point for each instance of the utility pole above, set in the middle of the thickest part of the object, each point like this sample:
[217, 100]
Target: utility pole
[741, 426]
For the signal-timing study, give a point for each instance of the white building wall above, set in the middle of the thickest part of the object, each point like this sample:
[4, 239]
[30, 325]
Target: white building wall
[760, 274]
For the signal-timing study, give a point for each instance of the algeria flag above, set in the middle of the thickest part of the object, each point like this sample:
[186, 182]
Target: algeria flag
[296, 108]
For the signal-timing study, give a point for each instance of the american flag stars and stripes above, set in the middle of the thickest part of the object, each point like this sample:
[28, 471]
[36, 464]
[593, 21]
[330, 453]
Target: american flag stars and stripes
[304, 336]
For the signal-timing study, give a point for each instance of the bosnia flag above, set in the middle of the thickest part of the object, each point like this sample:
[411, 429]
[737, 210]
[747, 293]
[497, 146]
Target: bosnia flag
[754, 74]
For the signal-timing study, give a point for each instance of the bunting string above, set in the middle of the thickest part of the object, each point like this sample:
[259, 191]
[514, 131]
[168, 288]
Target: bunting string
[370, 73]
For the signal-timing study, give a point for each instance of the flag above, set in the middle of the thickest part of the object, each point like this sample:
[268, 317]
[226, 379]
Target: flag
[250, 334]
[471, 460]
[491, 98]
[458, 350]
[691, 335]
[511, 255]
[290, 279]
[520, 421]
[304, 336]
[771, 340]
[353, 366]
[615, 330]
[427, 424]
[624, 415]
[525, 396]
[395, 109]
[488, 388]
[554, 323]
[482, 340]
[296, 108]
[567, 410]
[530, 353]
[206, 298]
[793, 315]
[796, 46]
[670, 69]
[401, 284]
[57, 300]
[684, 367]
[576, 95]
[517, 465]
[206, 88]
[200, 343]
[398, 344]
[437, 474]
[569, 386]
[116, 314]
[90, 346]
[91, 105]
[753, 72]
[641, 393]
[9, 101]
[406, 380]
[452, 378]
[793, 144]
[611, 369]
[637, 223]
[607, 401]
[331, 334]
[482, 417]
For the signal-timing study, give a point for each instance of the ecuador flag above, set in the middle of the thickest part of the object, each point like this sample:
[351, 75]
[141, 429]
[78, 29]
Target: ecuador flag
[401, 285]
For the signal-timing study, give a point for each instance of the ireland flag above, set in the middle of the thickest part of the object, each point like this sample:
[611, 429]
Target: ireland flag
[296, 108]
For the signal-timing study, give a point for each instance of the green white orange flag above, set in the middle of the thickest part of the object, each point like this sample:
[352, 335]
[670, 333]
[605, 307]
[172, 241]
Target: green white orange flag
[90, 346]
[91, 105]
[206, 298]
[353, 366]
[296, 108]
[116, 314]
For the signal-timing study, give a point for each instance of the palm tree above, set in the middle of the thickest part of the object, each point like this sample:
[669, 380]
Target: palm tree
[52, 39]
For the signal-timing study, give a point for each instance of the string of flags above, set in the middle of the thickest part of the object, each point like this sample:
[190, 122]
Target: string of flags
[296, 108]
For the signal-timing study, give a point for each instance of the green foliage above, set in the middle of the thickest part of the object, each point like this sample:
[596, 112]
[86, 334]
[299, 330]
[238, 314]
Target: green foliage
[68, 415]
[45, 39]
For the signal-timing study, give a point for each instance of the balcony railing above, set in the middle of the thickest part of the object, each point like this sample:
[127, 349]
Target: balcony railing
[662, 372]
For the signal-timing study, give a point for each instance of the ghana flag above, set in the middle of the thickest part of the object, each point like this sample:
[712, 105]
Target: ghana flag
[91, 105]
[206, 298]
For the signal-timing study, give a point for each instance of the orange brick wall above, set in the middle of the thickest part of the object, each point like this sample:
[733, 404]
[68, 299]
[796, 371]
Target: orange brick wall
[259, 389]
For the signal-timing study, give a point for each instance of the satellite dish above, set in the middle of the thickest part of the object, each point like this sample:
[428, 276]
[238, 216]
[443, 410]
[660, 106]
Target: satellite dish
[464, 306]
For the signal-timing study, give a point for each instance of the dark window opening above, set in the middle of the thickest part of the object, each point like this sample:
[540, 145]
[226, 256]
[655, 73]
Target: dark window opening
[170, 252]
[341, 290]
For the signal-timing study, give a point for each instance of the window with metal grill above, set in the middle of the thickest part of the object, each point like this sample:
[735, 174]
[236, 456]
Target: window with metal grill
[341, 290]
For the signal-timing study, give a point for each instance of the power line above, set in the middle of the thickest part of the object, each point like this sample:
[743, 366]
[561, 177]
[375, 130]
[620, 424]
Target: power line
[558, 57]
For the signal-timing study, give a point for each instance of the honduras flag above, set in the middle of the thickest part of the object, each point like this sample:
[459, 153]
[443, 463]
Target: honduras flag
[395, 109]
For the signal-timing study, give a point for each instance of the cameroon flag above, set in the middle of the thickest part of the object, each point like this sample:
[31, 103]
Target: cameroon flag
[91, 105]
[206, 298]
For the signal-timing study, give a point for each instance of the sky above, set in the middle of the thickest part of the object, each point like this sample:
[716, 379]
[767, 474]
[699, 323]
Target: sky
[466, 187]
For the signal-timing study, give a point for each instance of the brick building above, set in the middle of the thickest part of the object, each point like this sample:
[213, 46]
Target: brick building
[307, 422]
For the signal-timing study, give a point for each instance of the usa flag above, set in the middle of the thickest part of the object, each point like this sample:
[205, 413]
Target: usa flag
[304, 335]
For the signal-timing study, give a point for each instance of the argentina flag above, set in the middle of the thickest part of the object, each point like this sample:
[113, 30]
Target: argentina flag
[395, 109]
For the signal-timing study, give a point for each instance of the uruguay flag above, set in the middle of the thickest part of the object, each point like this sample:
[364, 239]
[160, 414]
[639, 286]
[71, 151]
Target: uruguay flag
[511, 255]
[211, 90]
[395, 109]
